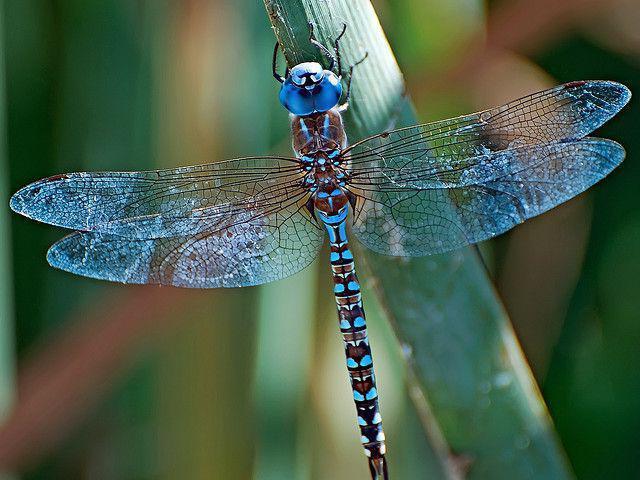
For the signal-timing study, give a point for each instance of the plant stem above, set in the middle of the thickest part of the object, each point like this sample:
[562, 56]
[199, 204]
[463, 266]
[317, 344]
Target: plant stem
[469, 380]
[7, 366]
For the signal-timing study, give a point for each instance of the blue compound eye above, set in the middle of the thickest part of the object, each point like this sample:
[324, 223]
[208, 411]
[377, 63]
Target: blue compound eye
[309, 89]
[327, 93]
[296, 99]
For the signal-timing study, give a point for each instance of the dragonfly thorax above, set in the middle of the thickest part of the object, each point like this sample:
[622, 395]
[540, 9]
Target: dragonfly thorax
[318, 141]
[325, 179]
[320, 132]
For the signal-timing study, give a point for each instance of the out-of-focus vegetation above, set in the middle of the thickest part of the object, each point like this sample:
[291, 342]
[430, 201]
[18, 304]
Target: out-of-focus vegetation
[116, 382]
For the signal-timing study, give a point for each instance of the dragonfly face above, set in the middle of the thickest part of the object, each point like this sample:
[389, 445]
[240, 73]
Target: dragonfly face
[309, 89]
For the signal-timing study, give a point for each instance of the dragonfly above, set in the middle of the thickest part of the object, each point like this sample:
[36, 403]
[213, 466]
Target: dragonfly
[414, 191]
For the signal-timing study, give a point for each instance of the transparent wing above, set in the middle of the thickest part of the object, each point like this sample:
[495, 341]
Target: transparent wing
[566, 112]
[161, 203]
[252, 250]
[477, 198]
[235, 223]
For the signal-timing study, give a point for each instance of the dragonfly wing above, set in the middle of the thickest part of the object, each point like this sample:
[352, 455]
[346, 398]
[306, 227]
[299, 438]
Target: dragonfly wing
[235, 223]
[474, 200]
[252, 250]
[566, 112]
[162, 203]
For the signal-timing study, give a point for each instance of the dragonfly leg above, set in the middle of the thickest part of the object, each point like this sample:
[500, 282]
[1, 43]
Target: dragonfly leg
[345, 105]
[336, 48]
[274, 65]
[325, 51]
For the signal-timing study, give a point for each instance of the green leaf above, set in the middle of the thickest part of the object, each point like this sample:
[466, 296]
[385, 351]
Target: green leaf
[468, 378]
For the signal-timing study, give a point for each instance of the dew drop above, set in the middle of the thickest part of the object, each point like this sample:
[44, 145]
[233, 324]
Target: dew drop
[502, 380]
[407, 351]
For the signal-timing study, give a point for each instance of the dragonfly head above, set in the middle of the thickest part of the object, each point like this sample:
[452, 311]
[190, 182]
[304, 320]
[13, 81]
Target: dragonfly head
[310, 89]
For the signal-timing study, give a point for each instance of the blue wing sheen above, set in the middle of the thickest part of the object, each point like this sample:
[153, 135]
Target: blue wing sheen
[227, 224]
[436, 178]
[492, 194]
[423, 189]
[252, 251]
[563, 113]
[154, 204]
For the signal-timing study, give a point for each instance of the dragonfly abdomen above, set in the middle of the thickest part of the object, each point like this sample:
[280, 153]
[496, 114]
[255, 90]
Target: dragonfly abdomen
[353, 328]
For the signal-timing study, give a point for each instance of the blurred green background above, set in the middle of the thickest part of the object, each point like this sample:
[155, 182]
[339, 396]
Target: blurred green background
[101, 381]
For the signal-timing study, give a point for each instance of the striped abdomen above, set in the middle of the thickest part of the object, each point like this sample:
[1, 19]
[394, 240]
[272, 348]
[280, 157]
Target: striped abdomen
[356, 342]
[317, 141]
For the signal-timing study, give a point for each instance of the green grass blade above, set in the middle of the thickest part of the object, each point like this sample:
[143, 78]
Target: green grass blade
[466, 368]
[7, 367]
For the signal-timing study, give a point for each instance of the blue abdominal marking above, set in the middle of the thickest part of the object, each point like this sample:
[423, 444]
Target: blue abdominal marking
[414, 191]
[359, 322]
[371, 394]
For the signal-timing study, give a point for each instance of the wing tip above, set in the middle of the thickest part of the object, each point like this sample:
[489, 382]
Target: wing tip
[27, 198]
[614, 154]
[73, 254]
[615, 93]
[40, 201]
[620, 93]
[55, 257]
[618, 153]
[15, 202]
[22, 201]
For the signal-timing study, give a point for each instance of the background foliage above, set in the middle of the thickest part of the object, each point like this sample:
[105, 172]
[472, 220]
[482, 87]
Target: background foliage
[145, 383]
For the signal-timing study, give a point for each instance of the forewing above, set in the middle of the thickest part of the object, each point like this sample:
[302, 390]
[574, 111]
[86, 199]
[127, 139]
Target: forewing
[235, 223]
[162, 203]
[567, 112]
[479, 198]
[254, 249]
